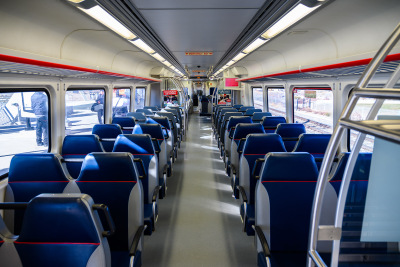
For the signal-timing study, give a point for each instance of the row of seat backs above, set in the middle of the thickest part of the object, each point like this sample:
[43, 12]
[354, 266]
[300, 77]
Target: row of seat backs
[52, 235]
[109, 178]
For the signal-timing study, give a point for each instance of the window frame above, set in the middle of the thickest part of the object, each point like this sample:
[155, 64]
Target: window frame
[252, 96]
[4, 175]
[279, 88]
[77, 88]
[145, 93]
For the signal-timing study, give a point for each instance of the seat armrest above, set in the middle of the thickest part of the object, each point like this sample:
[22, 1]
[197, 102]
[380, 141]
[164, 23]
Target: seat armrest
[242, 193]
[136, 240]
[137, 160]
[110, 223]
[263, 240]
[233, 169]
[257, 168]
[155, 193]
[165, 169]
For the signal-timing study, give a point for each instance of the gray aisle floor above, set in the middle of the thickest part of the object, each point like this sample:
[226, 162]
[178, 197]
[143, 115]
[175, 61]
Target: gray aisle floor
[199, 222]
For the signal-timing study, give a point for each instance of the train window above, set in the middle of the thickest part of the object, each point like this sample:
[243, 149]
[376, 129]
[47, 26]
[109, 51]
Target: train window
[276, 101]
[24, 124]
[121, 102]
[363, 107]
[84, 109]
[258, 99]
[140, 97]
[314, 108]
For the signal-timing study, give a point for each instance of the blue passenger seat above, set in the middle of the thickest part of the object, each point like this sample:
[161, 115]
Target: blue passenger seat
[146, 111]
[126, 123]
[30, 175]
[238, 138]
[75, 148]
[255, 147]
[237, 106]
[152, 108]
[228, 135]
[62, 230]
[107, 134]
[139, 117]
[284, 197]
[112, 179]
[141, 147]
[258, 116]
[250, 111]
[271, 122]
[290, 133]
[315, 144]
[244, 108]
[160, 144]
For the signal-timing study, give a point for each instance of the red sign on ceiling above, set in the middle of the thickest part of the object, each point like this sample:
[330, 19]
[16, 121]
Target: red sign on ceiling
[170, 92]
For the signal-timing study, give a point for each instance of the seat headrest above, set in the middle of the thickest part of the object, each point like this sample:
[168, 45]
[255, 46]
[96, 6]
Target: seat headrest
[225, 110]
[124, 121]
[273, 121]
[164, 121]
[107, 130]
[59, 218]
[137, 115]
[153, 108]
[227, 115]
[137, 144]
[234, 120]
[108, 166]
[312, 143]
[244, 108]
[243, 129]
[154, 130]
[289, 166]
[257, 116]
[263, 144]
[145, 111]
[361, 168]
[24, 167]
[81, 144]
[290, 129]
[250, 111]
[237, 106]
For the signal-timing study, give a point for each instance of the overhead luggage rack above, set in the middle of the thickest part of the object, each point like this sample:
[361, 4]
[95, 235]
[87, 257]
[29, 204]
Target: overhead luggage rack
[360, 232]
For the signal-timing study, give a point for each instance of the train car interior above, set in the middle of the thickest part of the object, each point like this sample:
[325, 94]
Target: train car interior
[199, 133]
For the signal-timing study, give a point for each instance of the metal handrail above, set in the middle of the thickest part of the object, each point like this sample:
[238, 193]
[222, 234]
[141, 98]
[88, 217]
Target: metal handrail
[346, 123]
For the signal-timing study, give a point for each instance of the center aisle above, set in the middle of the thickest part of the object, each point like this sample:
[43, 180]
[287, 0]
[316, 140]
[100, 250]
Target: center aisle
[199, 222]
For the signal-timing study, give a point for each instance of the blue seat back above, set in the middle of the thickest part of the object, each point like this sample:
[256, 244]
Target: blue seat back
[145, 111]
[141, 146]
[359, 177]
[224, 123]
[152, 108]
[139, 117]
[221, 117]
[290, 133]
[75, 148]
[244, 108]
[256, 146]
[107, 134]
[271, 122]
[61, 230]
[112, 179]
[285, 195]
[315, 144]
[250, 111]
[237, 106]
[30, 175]
[163, 121]
[126, 124]
[258, 116]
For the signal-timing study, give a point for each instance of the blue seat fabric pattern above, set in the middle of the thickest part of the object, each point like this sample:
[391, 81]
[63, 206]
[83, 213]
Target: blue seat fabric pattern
[126, 123]
[52, 235]
[26, 180]
[109, 179]
[291, 194]
[271, 122]
[77, 147]
[290, 133]
[107, 131]
[315, 144]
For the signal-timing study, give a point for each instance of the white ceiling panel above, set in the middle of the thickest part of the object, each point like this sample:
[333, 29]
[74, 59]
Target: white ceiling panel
[179, 4]
[211, 30]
